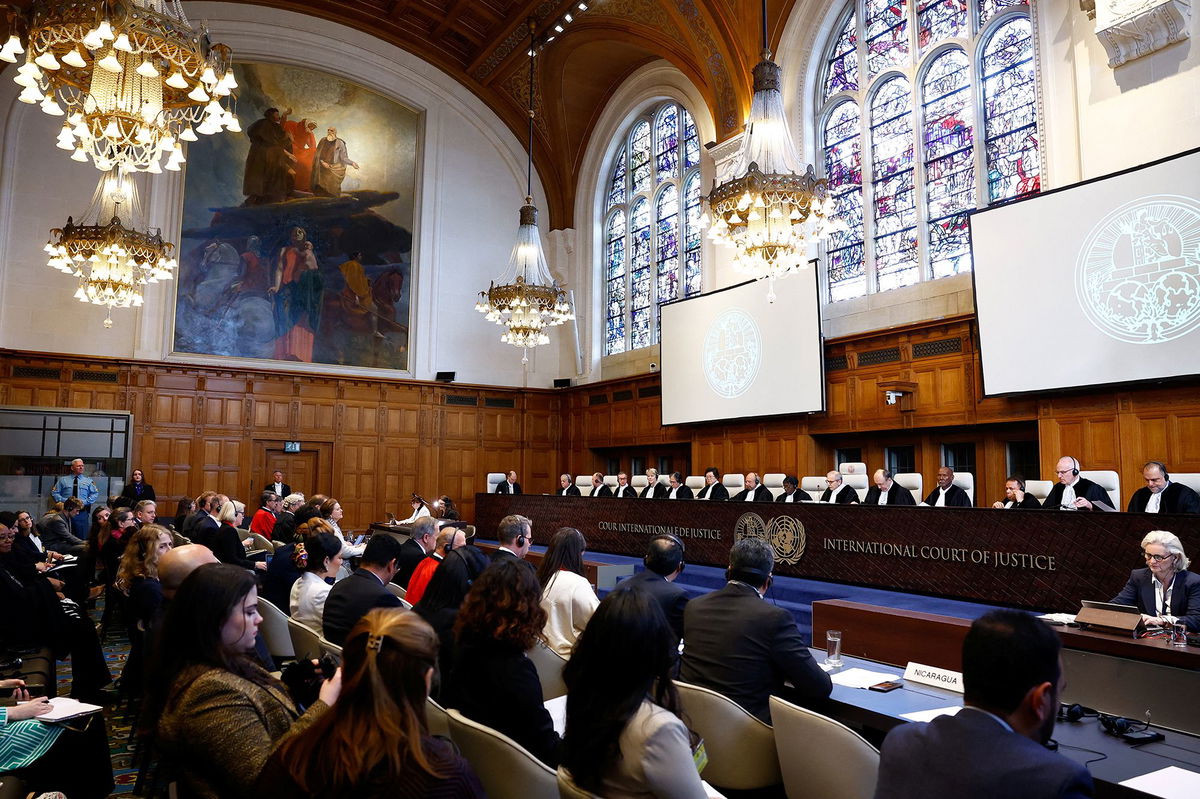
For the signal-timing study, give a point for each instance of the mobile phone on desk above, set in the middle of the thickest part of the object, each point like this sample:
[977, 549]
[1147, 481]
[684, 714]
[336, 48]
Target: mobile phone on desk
[884, 687]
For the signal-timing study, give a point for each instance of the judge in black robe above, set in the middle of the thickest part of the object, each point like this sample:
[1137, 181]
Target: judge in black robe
[753, 491]
[1173, 497]
[884, 484]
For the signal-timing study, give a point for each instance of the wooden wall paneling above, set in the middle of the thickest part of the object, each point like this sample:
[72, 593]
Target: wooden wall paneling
[598, 426]
[357, 483]
[272, 404]
[315, 408]
[220, 465]
[167, 462]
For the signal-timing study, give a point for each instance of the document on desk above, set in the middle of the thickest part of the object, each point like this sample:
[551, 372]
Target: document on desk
[861, 678]
[1171, 782]
[930, 715]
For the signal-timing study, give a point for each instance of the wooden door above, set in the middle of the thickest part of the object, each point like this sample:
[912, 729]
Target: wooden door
[305, 471]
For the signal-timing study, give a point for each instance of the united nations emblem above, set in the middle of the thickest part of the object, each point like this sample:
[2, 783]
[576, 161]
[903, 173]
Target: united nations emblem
[785, 534]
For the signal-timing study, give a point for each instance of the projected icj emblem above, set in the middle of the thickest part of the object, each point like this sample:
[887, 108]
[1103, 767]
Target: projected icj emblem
[1138, 274]
[732, 353]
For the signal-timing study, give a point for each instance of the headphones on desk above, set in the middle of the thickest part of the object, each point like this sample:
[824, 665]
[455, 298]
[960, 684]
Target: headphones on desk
[1075, 712]
[1119, 725]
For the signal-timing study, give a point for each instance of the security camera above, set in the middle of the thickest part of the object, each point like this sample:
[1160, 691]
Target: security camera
[653, 366]
[892, 397]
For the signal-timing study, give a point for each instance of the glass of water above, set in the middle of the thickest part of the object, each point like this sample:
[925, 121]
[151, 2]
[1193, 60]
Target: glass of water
[833, 648]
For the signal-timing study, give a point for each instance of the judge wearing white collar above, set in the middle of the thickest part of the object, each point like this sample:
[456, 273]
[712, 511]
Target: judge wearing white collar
[838, 493]
[677, 489]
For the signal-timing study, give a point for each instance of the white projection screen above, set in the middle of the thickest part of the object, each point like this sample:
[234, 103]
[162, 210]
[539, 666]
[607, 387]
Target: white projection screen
[1097, 283]
[731, 354]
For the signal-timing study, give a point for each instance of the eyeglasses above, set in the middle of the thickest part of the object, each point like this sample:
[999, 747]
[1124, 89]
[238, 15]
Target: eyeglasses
[1157, 558]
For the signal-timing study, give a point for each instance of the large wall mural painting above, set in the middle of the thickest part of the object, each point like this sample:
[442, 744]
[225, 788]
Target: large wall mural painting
[298, 232]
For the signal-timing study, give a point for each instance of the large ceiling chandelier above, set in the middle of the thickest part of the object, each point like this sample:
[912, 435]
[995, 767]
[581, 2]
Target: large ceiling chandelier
[772, 209]
[112, 260]
[527, 300]
[131, 78]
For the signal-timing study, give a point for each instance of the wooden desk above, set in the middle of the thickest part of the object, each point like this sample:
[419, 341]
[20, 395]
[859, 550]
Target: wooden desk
[1116, 675]
[600, 575]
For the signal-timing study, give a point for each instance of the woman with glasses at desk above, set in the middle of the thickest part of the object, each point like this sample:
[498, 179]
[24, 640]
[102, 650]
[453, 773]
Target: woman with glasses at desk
[1165, 592]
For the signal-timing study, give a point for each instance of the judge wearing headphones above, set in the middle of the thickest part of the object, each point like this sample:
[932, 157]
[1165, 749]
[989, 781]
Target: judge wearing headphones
[1161, 495]
[745, 648]
[1165, 591]
[1015, 496]
[566, 488]
[1074, 492]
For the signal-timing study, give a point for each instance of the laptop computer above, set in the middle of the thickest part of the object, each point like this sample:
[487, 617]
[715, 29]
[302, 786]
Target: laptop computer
[1089, 603]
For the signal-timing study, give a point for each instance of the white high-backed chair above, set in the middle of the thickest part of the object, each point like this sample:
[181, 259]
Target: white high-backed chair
[820, 756]
[733, 482]
[639, 483]
[741, 748]
[275, 630]
[610, 480]
[694, 482]
[966, 481]
[855, 475]
[506, 769]
[853, 468]
[584, 483]
[915, 483]
[549, 666]
[1110, 481]
[814, 485]
[494, 479]
[1039, 488]
[774, 483]
[436, 718]
[306, 642]
[1189, 479]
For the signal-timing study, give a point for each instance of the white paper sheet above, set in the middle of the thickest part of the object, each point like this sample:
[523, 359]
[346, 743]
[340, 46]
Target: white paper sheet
[64, 707]
[1171, 782]
[930, 715]
[861, 678]
[557, 707]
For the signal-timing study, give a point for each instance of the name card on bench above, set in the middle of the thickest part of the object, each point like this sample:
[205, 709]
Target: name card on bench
[932, 675]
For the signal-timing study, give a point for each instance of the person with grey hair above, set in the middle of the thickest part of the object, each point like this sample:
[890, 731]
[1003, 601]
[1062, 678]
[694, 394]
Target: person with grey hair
[515, 534]
[285, 524]
[566, 488]
[418, 547]
[745, 648]
[1165, 592]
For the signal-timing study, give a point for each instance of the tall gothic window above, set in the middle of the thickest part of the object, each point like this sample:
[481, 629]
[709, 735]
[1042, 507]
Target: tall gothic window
[934, 101]
[652, 236]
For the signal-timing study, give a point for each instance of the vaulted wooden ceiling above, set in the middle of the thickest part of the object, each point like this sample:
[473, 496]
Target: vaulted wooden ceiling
[482, 43]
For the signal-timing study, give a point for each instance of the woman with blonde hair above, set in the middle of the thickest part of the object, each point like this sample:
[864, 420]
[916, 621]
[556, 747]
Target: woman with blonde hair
[227, 541]
[375, 742]
[1165, 592]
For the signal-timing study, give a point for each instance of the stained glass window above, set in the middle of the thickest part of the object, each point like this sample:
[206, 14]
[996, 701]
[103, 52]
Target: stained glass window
[1010, 119]
[949, 161]
[887, 34]
[842, 65]
[652, 242]
[907, 112]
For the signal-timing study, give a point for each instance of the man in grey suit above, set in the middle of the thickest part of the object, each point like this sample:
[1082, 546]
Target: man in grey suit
[994, 747]
[57, 534]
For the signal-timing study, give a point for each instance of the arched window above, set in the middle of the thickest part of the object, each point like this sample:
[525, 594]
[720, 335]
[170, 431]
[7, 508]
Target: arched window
[652, 236]
[935, 99]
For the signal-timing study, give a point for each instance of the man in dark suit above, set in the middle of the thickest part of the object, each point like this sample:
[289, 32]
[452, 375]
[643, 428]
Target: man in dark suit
[1161, 495]
[887, 491]
[285, 526]
[994, 746]
[624, 489]
[277, 485]
[791, 491]
[1165, 591]
[415, 549]
[567, 488]
[837, 492]
[57, 533]
[713, 490]
[653, 489]
[515, 534]
[202, 510]
[509, 485]
[677, 489]
[599, 489]
[947, 494]
[745, 648]
[206, 527]
[1074, 492]
[753, 491]
[1015, 496]
[664, 562]
[350, 599]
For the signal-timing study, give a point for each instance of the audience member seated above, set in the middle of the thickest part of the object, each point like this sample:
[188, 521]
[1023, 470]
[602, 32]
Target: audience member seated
[492, 681]
[448, 511]
[137, 574]
[331, 511]
[677, 489]
[136, 490]
[219, 713]
[753, 491]
[226, 540]
[318, 558]
[1160, 495]
[419, 510]
[653, 489]
[664, 563]
[183, 510]
[285, 524]
[202, 523]
[947, 494]
[1015, 496]
[442, 599]
[1165, 591]
[995, 745]
[567, 596]
[624, 733]
[56, 529]
[173, 568]
[515, 535]
[745, 648]
[145, 512]
[265, 517]
[350, 599]
[448, 538]
[35, 616]
[791, 491]
[52, 757]
[1073, 492]
[375, 741]
[29, 553]
[599, 488]
[310, 509]
[713, 490]
[566, 487]
[887, 491]
[416, 549]
[624, 489]
[509, 485]
[108, 541]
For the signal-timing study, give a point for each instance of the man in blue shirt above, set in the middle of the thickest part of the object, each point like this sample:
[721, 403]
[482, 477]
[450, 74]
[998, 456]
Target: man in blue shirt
[78, 485]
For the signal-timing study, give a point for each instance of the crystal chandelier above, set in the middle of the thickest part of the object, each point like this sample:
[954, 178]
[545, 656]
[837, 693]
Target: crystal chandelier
[771, 210]
[132, 79]
[528, 300]
[111, 259]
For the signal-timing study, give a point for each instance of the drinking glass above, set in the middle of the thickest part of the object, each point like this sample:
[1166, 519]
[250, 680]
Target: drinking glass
[833, 648]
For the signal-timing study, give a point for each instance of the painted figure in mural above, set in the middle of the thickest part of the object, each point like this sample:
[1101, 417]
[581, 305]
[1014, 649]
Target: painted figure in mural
[270, 163]
[304, 148]
[298, 292]
[256, 275]
[356, 298]
[330, 168]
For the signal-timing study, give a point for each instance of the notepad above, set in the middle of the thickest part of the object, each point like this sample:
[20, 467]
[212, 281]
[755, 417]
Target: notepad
[930, 715]
[861, 678]
[1171, 782]
[557, 708]
[64, 707]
